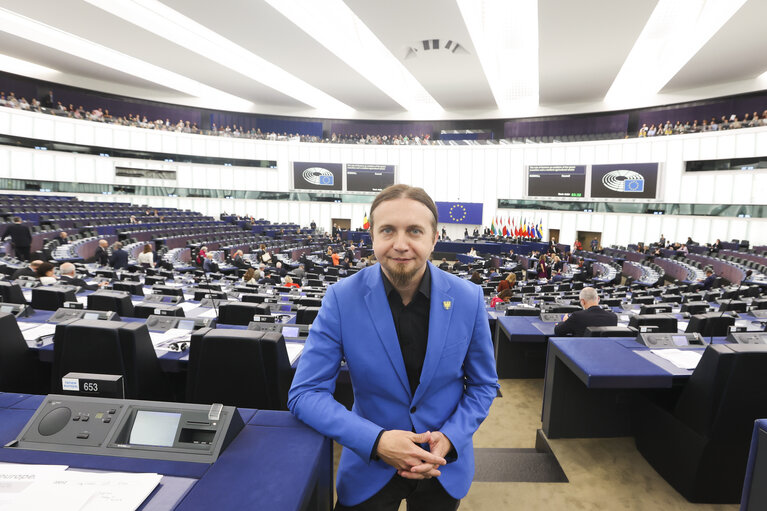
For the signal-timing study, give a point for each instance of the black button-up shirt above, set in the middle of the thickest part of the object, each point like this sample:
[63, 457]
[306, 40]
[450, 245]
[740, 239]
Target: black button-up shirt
[412, 324]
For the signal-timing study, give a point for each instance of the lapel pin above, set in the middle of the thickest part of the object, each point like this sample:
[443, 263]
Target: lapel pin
[447, 304]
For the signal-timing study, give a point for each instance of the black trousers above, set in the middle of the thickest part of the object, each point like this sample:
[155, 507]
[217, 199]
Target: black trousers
[22, 253]
[421, 495]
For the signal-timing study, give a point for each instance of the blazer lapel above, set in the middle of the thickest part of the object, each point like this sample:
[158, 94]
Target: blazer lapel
[380, 314]
[440, 312]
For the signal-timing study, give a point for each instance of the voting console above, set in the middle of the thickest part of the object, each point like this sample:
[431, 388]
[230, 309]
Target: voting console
[130, 428]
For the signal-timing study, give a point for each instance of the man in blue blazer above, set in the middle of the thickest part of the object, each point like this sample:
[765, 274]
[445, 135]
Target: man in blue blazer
[417, 345]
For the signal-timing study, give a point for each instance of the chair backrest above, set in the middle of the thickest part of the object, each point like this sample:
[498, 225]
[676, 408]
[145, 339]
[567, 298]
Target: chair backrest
[238, 368]
[238, 313]
[20, 367]
[110, 347]
[726, 392]
[11, 293]
[50, 298]
[107, 300]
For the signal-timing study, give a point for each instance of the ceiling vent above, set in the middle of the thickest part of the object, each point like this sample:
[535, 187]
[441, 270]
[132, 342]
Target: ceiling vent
[432, 45]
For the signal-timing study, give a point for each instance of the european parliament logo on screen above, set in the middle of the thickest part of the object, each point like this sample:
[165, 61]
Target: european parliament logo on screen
[624, 180]
[317, 176]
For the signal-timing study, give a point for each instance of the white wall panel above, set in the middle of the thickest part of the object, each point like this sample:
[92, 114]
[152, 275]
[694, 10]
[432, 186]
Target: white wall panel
[471, 173]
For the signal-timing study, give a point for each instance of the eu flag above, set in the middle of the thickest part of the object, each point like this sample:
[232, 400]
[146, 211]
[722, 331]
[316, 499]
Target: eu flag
[460, 213]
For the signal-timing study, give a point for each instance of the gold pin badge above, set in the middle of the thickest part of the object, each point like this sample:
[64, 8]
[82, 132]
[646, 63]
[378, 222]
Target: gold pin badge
[447, 304]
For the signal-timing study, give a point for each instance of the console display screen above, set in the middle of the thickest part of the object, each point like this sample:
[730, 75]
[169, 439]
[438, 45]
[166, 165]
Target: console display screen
[154, 428]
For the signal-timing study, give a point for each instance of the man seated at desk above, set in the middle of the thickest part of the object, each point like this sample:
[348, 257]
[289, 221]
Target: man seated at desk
[27, 271]
[592, 315]
[708, 282]
[68, 277]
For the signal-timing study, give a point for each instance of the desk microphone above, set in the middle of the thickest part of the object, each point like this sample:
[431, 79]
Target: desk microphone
[740, 284]
[213, 300]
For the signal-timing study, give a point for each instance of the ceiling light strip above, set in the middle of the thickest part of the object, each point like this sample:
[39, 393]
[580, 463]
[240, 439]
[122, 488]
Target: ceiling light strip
[505, 37]
[173, 26]
[674, 33]
[340, 30]
[26, 28]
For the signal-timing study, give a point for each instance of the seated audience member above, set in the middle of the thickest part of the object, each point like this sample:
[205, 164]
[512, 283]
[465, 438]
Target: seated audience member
[443, 265]
[266, 257]
[209, 265]
[557, 277]
[250, 276]
[502, 297]
[201, 255]
[507, 283]
[119, 258]
[45, 274]
[133, 219]
[102, 254]
[476, 278]
[238, 260]
[146, 257]
[300, 272]
[716, 247]
[591, 315]
[577, 245]
[289, 282]
[63, 238]
[708, 282]
[27, 271]
[69, 278]
[472, 252]
[335, 258]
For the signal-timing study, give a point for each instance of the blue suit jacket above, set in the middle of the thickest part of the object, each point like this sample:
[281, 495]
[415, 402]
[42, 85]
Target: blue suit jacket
[458, 380]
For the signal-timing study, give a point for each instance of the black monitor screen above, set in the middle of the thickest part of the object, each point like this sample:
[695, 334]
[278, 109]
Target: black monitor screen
[556, 180]
[368, 178]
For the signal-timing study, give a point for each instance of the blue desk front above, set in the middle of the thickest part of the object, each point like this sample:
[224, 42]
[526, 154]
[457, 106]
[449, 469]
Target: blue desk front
[275, 463]
[590, 383]
[520, 346]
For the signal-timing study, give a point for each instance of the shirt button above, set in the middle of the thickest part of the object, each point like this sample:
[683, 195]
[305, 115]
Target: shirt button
[412, 410]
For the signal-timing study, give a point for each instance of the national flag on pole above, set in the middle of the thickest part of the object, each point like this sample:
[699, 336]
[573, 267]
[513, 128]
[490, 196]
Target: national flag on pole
[365, 222]
[504, 231]
[492, 225]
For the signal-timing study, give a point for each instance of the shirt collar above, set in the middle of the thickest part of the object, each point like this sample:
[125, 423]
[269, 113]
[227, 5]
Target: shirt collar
[424, 287]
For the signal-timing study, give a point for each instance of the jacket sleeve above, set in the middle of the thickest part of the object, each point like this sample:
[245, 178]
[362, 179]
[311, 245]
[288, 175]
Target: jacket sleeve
[311, 394]
[481, 383]
[566, 327]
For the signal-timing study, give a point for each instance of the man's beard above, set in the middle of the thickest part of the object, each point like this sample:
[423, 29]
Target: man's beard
[400, 277]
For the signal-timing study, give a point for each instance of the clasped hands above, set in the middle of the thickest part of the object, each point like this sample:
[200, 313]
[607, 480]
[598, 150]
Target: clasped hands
[400, 449]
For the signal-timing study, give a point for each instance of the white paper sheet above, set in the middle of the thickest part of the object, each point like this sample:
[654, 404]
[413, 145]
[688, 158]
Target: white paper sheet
[683, 359]
[210, 313]
[294, 350]
[160, 339]
[188, 306]
[682, 325]
[15, 478]
[89, 491]
[32, 334]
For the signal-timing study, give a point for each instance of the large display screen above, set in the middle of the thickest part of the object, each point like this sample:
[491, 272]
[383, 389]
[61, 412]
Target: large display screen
[317, 176]
[556, 180]
[624, 181]
[368, 178]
